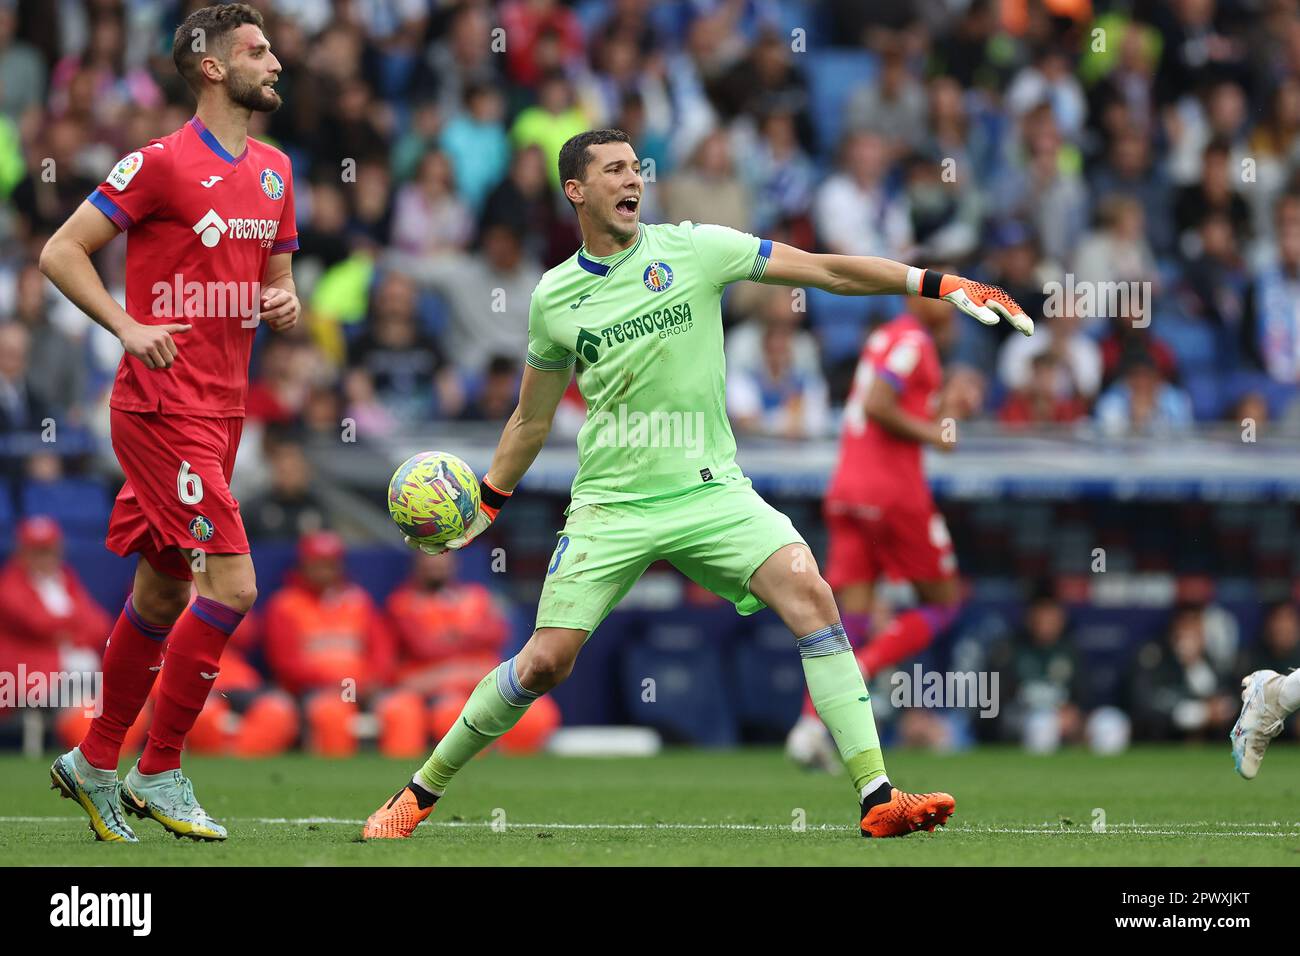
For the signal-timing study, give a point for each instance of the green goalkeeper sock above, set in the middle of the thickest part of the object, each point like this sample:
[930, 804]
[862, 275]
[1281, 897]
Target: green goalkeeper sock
[840, 695]
[496, 705]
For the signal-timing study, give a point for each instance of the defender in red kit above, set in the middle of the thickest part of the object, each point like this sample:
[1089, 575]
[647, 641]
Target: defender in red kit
[210, 229]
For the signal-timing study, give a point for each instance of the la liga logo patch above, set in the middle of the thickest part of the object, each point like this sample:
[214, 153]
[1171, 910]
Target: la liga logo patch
[201, 529]
[657, 276]
[272, 183]
[125, 170]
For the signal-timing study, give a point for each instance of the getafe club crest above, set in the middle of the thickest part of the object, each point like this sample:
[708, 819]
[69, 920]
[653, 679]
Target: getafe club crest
[201, 529]
[657, 276]
[272, 183]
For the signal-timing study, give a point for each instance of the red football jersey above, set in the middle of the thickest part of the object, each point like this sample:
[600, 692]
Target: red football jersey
[201, 225]
[876, 466]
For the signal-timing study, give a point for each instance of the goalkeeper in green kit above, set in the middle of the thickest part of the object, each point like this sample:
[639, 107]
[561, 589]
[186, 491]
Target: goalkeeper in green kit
[637, 311]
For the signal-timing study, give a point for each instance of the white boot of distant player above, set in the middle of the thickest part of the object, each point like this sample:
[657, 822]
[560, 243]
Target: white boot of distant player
[1289, 693]
[1268, 699]
[810, 745]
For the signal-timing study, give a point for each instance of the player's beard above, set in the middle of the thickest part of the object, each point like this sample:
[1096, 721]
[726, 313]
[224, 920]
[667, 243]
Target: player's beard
[253, 96]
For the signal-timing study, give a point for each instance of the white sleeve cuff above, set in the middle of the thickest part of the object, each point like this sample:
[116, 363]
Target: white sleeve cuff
[914, 280]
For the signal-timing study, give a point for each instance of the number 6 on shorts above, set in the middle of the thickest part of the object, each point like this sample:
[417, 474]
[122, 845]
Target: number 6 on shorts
[189, 486]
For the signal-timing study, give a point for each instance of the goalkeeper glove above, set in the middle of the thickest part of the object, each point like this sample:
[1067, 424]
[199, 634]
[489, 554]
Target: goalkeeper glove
[491, 501]
[986, 303]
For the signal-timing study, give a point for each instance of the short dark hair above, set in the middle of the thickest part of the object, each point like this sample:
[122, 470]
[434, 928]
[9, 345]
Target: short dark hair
[214, 24]
[575, 154]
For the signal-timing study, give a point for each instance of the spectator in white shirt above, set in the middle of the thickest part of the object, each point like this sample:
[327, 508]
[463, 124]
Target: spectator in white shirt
[854, 213]
[774, 306]
[774, 395]
[1079, 357]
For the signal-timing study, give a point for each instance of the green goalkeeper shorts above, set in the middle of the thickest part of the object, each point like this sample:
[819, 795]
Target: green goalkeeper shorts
[716, 534]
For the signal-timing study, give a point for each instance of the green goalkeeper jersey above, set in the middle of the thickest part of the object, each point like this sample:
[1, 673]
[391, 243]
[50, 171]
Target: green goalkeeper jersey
[644, 327]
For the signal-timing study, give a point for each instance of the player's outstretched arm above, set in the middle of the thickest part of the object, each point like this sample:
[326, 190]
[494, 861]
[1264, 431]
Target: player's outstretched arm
[65, 261]
[871, 275]
[525, 433]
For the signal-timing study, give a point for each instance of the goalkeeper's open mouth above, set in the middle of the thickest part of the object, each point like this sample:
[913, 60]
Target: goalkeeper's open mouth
[628, 206]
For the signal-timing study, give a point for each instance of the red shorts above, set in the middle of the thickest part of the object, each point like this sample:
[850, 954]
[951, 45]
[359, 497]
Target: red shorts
[177, 491]
[908, 542]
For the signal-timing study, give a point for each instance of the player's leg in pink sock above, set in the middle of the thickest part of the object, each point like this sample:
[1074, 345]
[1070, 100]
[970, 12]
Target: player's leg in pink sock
[191, 666]
[131, 659]
[227, 586]
[906, 635]
[192, 663]
[857, 625]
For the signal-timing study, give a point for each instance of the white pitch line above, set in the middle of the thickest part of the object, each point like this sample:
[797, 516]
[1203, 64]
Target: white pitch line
[304, 821]
[1129, 831]
[1236, 829]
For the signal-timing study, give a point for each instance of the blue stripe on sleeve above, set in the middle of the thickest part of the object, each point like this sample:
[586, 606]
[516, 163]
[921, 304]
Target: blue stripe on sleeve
[110, 209]
[891, 378]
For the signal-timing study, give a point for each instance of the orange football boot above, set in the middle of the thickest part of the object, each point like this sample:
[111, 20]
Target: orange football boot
[396, 819]
[906, 813]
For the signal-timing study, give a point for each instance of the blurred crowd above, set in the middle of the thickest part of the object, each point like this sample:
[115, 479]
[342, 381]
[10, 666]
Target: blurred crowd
[1182, 685]
[1025, 142]
[1059, 685]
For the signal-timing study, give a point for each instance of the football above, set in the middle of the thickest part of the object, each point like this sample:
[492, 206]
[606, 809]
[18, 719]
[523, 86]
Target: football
[433, 496]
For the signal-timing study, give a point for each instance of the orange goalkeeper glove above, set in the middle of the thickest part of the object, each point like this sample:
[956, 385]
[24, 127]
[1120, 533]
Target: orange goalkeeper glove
[986, 303]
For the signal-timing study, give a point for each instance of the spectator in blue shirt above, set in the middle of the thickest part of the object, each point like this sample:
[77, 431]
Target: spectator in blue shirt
[1276, 294]
[1141, 402]
[476, 143]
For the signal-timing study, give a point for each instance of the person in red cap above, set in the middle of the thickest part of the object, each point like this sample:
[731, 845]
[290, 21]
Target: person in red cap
[48, 620]
[329, 646]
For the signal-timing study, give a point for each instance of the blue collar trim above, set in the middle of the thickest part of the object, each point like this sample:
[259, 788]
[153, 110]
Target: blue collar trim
[211, 142]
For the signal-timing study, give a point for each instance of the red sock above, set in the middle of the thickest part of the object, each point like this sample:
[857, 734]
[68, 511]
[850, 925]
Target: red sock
[904, 637]
[857, 626]
[130, 667]
[192, 664]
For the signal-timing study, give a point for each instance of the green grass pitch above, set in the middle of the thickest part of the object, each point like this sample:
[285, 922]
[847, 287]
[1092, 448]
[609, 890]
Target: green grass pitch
[1176, 805]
